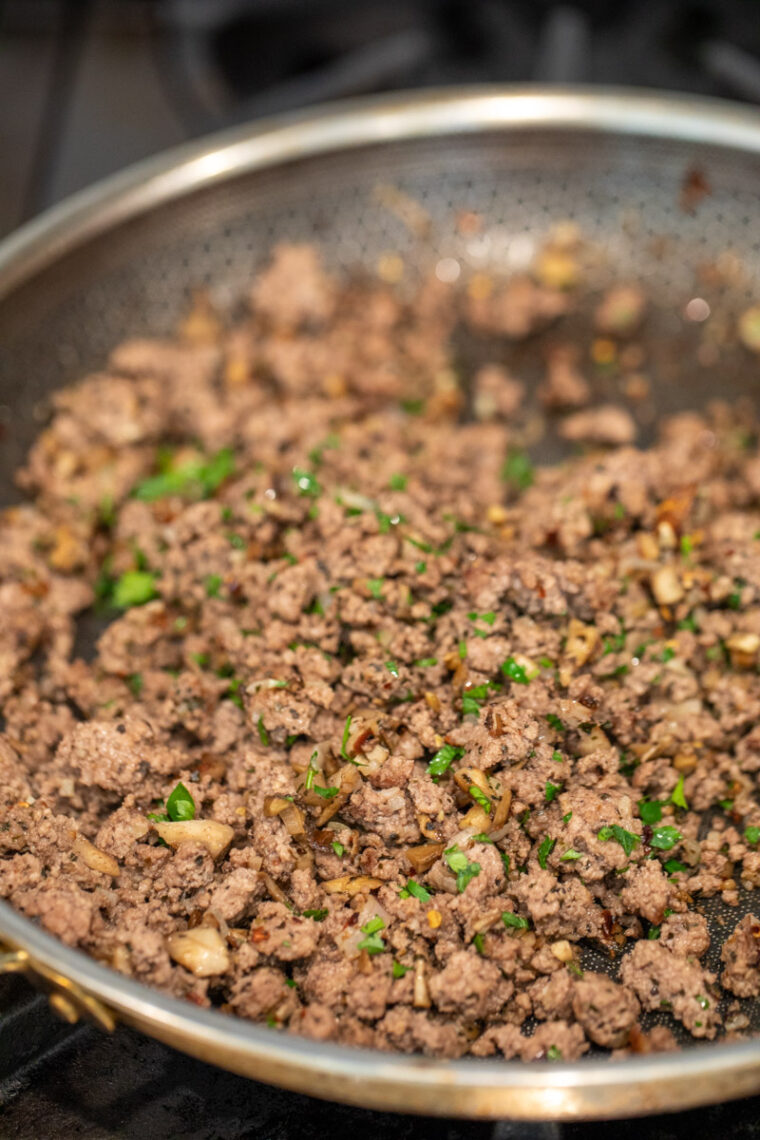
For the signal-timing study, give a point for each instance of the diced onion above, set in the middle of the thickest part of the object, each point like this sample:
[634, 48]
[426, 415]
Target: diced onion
[214, 836]
[202, 951]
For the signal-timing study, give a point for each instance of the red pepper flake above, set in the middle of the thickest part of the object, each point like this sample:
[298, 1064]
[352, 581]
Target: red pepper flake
[259, 934]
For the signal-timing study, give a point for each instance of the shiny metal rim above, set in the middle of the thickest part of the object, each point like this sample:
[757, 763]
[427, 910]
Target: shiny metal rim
[589, 1088]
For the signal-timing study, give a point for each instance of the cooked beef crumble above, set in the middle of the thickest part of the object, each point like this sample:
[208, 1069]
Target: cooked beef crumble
[387, 727]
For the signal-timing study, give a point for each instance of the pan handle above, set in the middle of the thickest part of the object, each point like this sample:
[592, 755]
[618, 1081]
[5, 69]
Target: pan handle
[66, 998]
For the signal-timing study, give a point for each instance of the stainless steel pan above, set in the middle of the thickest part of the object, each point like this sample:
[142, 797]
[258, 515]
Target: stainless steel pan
[665, 189]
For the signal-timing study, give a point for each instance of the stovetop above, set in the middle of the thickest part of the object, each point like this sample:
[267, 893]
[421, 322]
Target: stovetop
[58, 1082]
[88, 86]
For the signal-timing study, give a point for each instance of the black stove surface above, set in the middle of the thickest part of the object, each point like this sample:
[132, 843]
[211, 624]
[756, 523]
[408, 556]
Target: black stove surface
[88, 86]
[59, 1082]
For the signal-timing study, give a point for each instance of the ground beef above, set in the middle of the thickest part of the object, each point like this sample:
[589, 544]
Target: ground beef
[662, 979]
[606, 1011]
[413, 731]
[741, 955]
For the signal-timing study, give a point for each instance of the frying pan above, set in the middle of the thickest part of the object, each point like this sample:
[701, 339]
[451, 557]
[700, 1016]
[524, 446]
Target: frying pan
[665, 190]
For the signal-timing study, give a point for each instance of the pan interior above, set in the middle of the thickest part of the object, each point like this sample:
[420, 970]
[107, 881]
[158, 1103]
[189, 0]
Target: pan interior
[678, 217]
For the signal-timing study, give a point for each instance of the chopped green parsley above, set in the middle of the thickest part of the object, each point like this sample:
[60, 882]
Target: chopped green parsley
[134, 588]
[443, 759]
[306, 483]
[516, 921]
[517, 470]
[195, 477]
[414, 890]
[180, 805]
[665, 837]
[677, 797]
[552, 791]
[626, 839]
[480, 797]
[515, 672]
[373, 943]
[545, 850]
[464, 870]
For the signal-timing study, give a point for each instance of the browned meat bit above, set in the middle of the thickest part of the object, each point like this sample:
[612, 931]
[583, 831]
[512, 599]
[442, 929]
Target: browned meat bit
[621, 310]
[686, 934]
[552, 1041]
[470, 985]
[664, 980]
[741, 955]
[389, 730]
[413, 1031]
[606, 424]
[606, 1010]
[116, 757]
[263, 993]
[564, 386]
[294, 288]
[648, 891]
[496, 393]
[514, 309]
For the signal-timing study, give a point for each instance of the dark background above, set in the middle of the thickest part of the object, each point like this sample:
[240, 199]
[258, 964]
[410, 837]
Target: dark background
[88, 86]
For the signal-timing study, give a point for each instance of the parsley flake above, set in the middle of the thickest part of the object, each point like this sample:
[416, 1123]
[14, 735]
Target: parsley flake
[180, 805]
[326, 793]
[373, 943]
[650, 811]
[134, 588]
[665, 837]
[480, 797]
[195, 477]
[517, 470]
[551, 791]
[461, 866]
[545, 850]
[306, 483]
[516, 921]
[415, 890]
[443, 759]
[344, 741]
[626, 839]
[515, 672]
[677, 797]
[311, 771]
